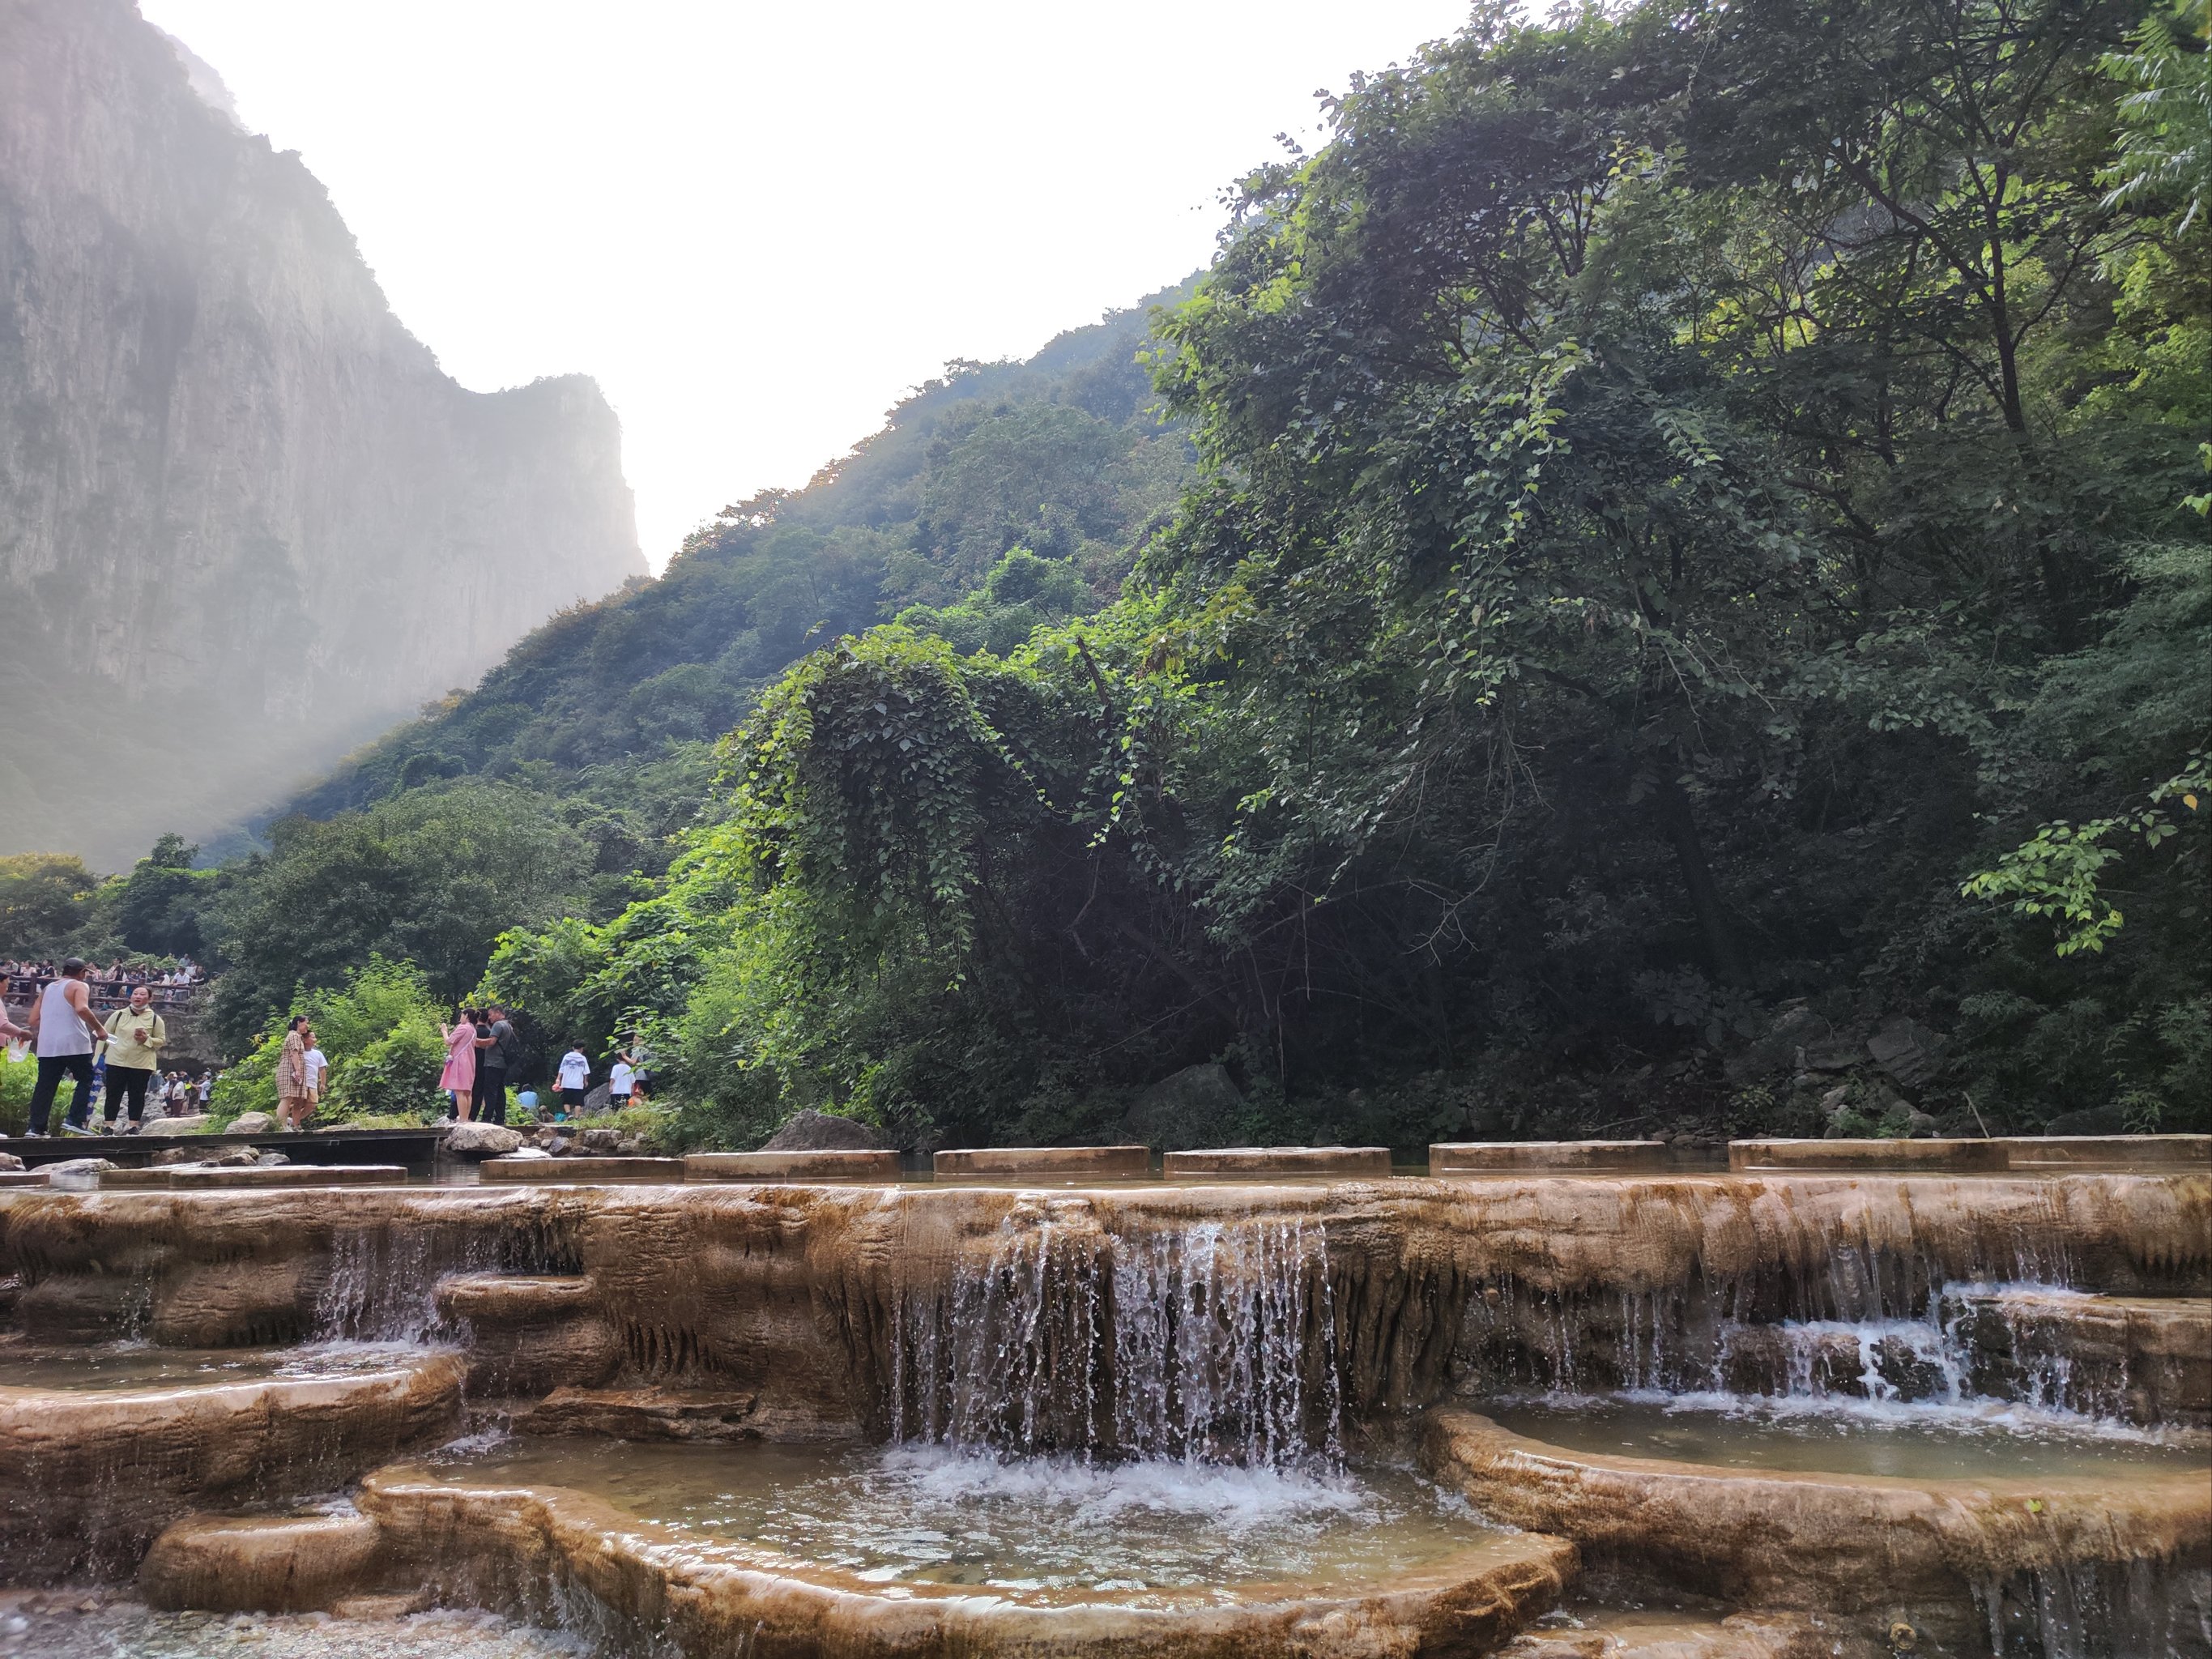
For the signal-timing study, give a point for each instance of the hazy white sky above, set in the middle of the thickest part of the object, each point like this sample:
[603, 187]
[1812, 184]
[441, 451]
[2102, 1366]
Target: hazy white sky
[757, 225]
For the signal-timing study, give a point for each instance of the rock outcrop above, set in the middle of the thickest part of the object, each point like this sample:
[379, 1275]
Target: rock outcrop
[824, 1132]
[244, 520]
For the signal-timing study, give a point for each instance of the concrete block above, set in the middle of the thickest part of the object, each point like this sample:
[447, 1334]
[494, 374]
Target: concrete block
[1018, 1162]
[793, 1166]
[1341, 1163]
[1914, 1156]
[1565, 1156]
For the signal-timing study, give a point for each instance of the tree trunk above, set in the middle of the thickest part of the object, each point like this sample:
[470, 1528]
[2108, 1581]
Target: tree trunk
[1676, 816]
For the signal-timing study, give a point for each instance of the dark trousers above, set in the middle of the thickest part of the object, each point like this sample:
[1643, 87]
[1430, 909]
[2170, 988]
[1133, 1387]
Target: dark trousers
[52, 1068]
[127, 1083]
[488, 1104]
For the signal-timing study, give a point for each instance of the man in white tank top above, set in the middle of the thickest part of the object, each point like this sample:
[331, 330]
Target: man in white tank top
[61, 1021]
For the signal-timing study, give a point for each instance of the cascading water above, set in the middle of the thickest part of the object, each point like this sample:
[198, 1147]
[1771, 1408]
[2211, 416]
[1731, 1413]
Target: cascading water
[1211, 1342]
[2138, 1609]
[1941, 1342]
[1225, 1344]
[383, 1281]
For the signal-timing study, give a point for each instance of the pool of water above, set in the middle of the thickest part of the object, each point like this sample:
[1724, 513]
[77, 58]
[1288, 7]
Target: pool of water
[929, 1514]
[114, 1366]
[1929, 1444]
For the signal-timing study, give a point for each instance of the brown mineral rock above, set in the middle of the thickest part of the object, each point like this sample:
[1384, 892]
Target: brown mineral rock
[88, 1479]
[259, 1564]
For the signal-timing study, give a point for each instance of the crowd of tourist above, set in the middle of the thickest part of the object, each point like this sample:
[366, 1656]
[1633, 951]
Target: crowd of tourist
[112, 1054]
[110, 987]
[108, 1049]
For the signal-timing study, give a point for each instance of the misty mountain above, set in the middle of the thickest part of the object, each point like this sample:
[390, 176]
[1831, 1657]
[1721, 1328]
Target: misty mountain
[245, 522]
[1061, 455]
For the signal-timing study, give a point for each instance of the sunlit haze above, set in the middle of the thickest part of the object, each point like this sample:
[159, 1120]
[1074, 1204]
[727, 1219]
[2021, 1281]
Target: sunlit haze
[758, 225]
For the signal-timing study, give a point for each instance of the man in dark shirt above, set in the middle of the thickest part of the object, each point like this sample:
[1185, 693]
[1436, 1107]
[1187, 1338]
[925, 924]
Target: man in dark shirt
[492, 1063]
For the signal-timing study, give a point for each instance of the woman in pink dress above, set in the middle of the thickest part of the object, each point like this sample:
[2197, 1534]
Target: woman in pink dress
[460, 1073]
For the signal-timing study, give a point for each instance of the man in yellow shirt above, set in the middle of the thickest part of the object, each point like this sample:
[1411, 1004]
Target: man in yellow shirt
[135, 1036]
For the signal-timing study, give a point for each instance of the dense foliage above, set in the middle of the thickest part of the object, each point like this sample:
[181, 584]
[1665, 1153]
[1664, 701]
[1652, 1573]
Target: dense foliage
[379, 1030]
[1685, 495]
[1696, 558]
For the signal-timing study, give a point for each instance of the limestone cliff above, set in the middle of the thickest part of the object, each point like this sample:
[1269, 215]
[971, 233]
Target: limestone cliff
[244, 520]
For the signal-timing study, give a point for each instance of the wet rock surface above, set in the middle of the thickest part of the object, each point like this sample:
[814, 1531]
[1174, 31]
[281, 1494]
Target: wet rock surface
[1586, 1632]
[87, 1479]
[1825, 1542]
[2143, 1360]
[1032, 1320]
[797, 1293]
[645, 1414]
[503, 1543]
[260, 1564]
[529, 1335]
[95, 1624]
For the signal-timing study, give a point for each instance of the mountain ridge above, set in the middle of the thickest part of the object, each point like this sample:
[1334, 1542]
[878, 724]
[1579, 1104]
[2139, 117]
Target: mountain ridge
[246, 520]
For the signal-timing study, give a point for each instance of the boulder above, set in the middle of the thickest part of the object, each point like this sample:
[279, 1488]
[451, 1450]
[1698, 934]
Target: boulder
[225, 1158]
[252, 1123]
[825, 1132]
[1909, 1053]
[2091, 1121]
[10, 1161]
[601, 1099]
[1793, 1032]
[270, 1160]
[77, 1174]
[196, 1124]
[1198, 1106]
[603, 1143]
[481, 1140]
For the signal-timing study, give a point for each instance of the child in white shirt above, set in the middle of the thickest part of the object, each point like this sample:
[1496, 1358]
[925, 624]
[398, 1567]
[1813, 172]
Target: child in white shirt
[621, 1078]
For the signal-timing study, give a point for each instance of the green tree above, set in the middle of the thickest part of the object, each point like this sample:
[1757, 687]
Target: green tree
[380, 1031]
[42, 901]
[432, 877]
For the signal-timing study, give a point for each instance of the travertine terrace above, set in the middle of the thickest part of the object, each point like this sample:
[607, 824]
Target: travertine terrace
[1238, 1320]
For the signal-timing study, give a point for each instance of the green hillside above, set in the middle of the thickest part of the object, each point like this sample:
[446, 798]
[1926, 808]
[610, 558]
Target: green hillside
[1062, 454]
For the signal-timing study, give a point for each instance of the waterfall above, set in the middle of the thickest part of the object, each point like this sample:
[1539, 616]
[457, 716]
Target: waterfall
[2129, 1610]
[1211, 1342]
[2035, 1345]
[383, 1279]
[1225, 1344]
